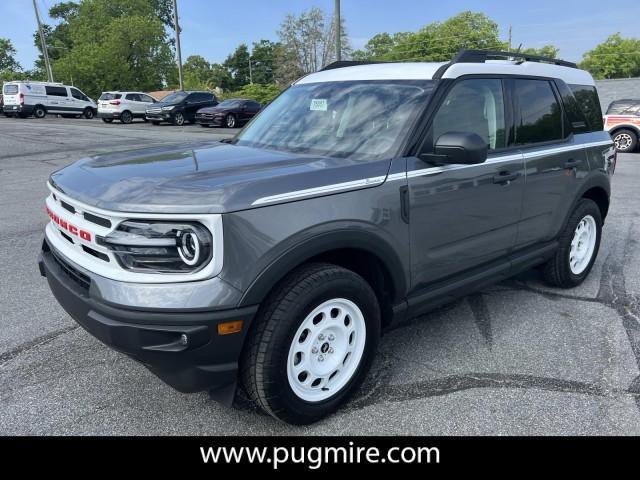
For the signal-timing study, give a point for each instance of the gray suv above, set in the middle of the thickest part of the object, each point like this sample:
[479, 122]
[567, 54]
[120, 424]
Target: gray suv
[364, 195]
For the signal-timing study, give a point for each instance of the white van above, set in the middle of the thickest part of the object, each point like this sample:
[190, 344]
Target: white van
[25, 98]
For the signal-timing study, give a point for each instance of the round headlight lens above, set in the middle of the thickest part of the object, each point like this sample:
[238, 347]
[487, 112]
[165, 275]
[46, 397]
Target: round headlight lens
[188, 247]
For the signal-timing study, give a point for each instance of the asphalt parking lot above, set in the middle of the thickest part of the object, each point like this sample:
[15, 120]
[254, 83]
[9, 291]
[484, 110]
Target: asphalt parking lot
[516, 358]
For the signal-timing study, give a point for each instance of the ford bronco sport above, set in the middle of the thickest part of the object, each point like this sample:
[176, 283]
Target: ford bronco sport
[362, 196]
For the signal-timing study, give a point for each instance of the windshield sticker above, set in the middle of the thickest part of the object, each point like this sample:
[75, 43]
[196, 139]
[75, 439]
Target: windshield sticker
[318, 105]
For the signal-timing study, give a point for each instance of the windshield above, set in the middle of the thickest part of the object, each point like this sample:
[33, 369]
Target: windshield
[174, 97]
[228, 103]
[624, 107]
[110, 96]
[360, 120]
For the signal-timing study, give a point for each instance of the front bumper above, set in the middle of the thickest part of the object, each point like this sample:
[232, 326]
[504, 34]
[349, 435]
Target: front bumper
[155, 337]
[215, 120]
[159, 117]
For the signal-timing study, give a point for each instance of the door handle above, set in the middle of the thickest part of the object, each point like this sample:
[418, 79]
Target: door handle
[571, 163]
[505, 177]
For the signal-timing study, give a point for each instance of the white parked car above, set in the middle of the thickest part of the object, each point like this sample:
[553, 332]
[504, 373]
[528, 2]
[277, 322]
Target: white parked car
[123, 106]
[26, 98]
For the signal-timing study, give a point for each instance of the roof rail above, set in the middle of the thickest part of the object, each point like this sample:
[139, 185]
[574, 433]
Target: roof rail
[349, 63]
[481, 56]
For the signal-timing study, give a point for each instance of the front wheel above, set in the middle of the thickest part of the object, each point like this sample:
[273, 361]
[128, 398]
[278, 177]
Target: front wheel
[230, 120]
[312, 343]
[625, 141]
[578, 249]
[88, 113]
[178, 119]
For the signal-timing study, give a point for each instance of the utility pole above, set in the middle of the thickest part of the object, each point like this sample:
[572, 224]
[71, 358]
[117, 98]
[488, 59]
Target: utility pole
[250, 71]
[178, 52]
[44, 43]
[509, 37]
[338, 32]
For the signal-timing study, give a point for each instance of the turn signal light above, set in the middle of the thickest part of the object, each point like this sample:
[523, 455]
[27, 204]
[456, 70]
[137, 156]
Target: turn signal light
[227, 328]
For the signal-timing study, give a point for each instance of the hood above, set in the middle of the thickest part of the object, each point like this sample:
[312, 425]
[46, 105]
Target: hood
[215, 109]
[163, 104]
[209, 178]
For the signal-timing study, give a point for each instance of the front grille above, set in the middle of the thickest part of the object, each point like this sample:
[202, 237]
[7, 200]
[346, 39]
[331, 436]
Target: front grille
[73, 274]
[103, 222]
[68, 207]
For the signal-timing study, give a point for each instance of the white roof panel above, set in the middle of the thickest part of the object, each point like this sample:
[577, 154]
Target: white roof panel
[425, 71]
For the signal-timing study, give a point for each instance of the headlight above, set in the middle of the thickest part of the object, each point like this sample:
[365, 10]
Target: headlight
[160, 247]
[167, 109]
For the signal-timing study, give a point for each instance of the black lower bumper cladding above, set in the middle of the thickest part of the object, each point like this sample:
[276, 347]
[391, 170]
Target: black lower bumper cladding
[183, 348]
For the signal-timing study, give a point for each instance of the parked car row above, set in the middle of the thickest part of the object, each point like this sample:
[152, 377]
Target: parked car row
[26, 98]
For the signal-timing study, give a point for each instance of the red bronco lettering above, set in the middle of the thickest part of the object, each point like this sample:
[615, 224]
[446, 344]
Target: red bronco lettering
[72, 229]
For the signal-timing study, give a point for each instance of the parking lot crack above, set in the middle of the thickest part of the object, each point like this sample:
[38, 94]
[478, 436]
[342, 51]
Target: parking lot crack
[36, 342]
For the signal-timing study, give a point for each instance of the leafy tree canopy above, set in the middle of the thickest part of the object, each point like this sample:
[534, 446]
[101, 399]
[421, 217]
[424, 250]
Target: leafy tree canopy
[616, 57]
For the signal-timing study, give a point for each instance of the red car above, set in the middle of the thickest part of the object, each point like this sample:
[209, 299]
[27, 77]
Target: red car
[622, 121]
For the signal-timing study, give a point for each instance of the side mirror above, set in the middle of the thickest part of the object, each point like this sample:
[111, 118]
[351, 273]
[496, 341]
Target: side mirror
[465, 148]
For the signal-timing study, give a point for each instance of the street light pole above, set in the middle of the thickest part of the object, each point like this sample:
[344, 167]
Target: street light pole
[338, 32]
[179, 53]
[44, 43]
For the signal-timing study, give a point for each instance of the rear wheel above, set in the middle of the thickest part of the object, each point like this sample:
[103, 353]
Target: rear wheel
[312, 343]
[155, 123]
[578, 249]
[625, 140]
[39, 111]
[126, 117]
[88, 113]
[107, 120]
[230, 120]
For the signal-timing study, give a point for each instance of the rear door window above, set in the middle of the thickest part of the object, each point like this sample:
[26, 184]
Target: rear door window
[10, 89]
[147, 99]
[587, 98]
[134, 97]
[538, 116]
[56, 91]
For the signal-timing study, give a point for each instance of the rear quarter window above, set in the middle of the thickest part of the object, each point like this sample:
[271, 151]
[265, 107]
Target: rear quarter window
[587, 98]
[10, 89]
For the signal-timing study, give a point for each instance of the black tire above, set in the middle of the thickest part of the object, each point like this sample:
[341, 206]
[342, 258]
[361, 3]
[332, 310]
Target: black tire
[230, 121]
[178, 119]
[88, 113]
[205, 125]
[39, 111]
[107, 120]
[155, 123]
[126, 117]
[626, 141]
[264, 360]
[8, 115]
[557, 271]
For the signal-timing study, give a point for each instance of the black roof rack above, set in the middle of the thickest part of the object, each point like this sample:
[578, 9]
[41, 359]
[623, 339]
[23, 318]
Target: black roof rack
[349, 63]
[481, 56]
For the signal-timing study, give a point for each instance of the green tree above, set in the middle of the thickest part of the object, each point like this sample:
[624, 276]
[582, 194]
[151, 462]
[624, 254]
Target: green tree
[380, 45]
[550, 51]
[440, 41]
[108, 44]
[238, 66]
[8, 52]
[263, 61]
[260, 93]
[197, 73]
[616, 57]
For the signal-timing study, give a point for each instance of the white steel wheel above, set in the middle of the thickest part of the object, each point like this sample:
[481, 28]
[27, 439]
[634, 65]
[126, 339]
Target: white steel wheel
[326, 350]
[583, 245]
